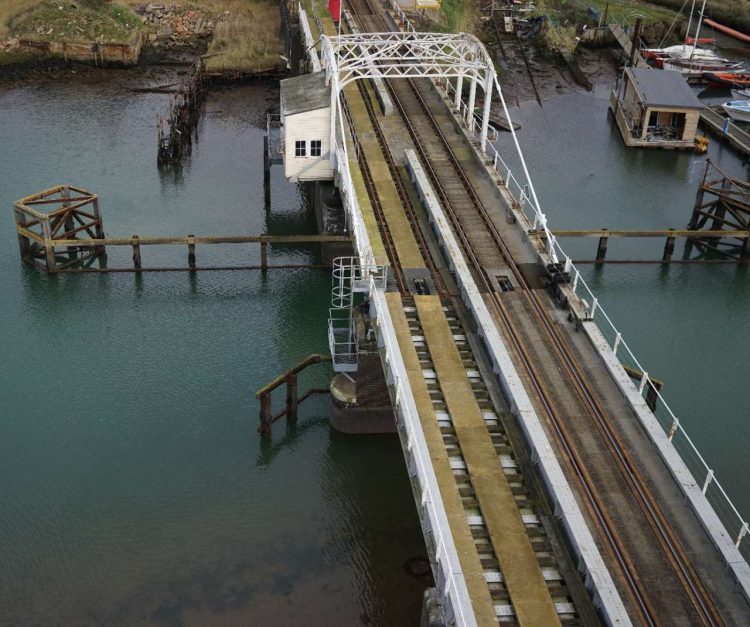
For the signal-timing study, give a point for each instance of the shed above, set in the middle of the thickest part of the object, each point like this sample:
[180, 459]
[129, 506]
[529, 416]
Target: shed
[306, 123]
[655, 108]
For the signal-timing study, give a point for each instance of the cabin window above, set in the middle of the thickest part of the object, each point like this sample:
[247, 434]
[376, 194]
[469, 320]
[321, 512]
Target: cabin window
[315, 147]
[653, 119]
[300, 148]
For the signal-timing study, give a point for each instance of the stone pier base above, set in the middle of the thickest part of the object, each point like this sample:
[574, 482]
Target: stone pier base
[432, 616]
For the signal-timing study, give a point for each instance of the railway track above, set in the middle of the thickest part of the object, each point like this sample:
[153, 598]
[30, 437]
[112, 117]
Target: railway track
[467, 472]
[485, 248]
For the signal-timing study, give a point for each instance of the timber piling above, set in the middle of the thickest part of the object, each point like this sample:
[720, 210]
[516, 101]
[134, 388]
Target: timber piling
[61, 230]
[293, 400]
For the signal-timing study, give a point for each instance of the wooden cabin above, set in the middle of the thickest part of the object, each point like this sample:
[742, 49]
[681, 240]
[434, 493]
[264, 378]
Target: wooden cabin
[655, 109]
[306, 124]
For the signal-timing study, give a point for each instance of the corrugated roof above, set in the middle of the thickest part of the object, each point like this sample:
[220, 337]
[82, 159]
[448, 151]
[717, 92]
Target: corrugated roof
[663, 88]
[304, 93]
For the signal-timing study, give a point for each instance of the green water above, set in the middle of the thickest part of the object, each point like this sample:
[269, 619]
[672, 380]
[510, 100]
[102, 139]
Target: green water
[686, 324]
[134, 488]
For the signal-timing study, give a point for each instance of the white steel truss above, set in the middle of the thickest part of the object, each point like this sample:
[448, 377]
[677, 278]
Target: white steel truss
[347, 58]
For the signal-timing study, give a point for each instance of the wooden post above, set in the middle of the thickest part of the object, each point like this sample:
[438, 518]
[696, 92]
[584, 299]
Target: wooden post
[136, 253]
[601, 250]
[264, 255]
[266, 174]
[668, 249]
[48, 248]
[636, 37]
[24, 244]
[291, 396]
[191, 252]
[745, 250]
[69, 222]
[265, 415]
[695, 219]
[98, 227]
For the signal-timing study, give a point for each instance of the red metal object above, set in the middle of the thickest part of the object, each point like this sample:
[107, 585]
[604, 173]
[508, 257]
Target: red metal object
[334, 8]
[727, 31]
[702, 41]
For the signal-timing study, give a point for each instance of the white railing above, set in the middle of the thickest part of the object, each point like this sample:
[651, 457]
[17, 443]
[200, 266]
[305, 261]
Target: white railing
[735, 524]
[449, 578]
[342, 340]
[524, 198]
[400, 16]
[307, 39]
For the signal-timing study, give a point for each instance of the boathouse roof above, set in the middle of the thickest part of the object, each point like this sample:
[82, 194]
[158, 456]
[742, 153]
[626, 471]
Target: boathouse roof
[306, 92]
[663, 88]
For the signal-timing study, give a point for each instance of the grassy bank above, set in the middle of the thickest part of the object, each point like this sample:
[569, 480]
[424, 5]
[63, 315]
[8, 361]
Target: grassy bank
[249, 39]
[80, 21]
[10, 9]
[246, 36]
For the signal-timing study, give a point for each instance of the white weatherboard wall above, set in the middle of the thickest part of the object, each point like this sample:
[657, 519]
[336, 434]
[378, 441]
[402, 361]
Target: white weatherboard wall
[308, 126]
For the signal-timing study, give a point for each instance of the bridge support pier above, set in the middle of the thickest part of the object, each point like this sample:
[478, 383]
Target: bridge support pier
[668, 249]
[432, 616]
[601, 249]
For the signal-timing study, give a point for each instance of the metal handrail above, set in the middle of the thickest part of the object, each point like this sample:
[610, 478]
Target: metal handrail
[703, 474]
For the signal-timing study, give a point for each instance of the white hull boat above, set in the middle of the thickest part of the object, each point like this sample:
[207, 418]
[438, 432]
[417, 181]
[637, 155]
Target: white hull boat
[738, 110]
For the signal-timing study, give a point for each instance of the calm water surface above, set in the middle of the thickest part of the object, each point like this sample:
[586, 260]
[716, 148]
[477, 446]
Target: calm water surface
[134, 488]
[686, 324]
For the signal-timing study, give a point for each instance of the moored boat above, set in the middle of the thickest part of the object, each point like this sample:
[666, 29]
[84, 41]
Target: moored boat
[728, 80]
[697, 67]
[738, 110]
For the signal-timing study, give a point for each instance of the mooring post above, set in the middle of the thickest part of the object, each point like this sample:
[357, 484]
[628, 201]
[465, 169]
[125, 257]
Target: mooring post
[601, 250]
[668, 248]
[265, 414]
[69, 222]
[98, 227]
[24, 244]
[291, 396]
[264, 255]
[49, 249]
[135, 241]
[191, 252]
[745, 250]
[636, 37]
[266, 174]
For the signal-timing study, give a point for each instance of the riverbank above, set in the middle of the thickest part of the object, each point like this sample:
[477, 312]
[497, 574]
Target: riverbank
[236, 37]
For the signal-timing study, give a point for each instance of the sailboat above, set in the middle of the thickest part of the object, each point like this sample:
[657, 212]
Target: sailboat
[688, 58]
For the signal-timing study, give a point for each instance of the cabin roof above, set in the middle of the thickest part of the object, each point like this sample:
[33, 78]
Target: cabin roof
[306, 92]
[663, 88]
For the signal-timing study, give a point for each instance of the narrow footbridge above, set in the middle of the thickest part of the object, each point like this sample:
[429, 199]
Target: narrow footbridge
[553, 483]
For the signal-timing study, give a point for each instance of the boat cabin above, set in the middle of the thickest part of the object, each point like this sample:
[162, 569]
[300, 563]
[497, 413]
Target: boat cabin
[306, 127]
[655, 109]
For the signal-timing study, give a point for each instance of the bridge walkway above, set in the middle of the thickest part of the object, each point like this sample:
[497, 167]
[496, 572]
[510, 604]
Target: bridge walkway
[622, 38]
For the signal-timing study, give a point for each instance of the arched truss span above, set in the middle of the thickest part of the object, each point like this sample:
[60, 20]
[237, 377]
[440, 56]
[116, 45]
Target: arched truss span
[347, 58]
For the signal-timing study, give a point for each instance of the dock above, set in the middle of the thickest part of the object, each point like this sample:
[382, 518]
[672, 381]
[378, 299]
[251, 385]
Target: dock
[714, 120]
[626, 43]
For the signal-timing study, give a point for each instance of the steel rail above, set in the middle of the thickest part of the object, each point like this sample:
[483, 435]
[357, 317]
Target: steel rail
[406, 201]
[664, 532]
[593, 503]
[666, 536]
[372, 192]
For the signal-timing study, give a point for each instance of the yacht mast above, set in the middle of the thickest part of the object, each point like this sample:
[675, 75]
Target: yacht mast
[698, 30]
[690, 22]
